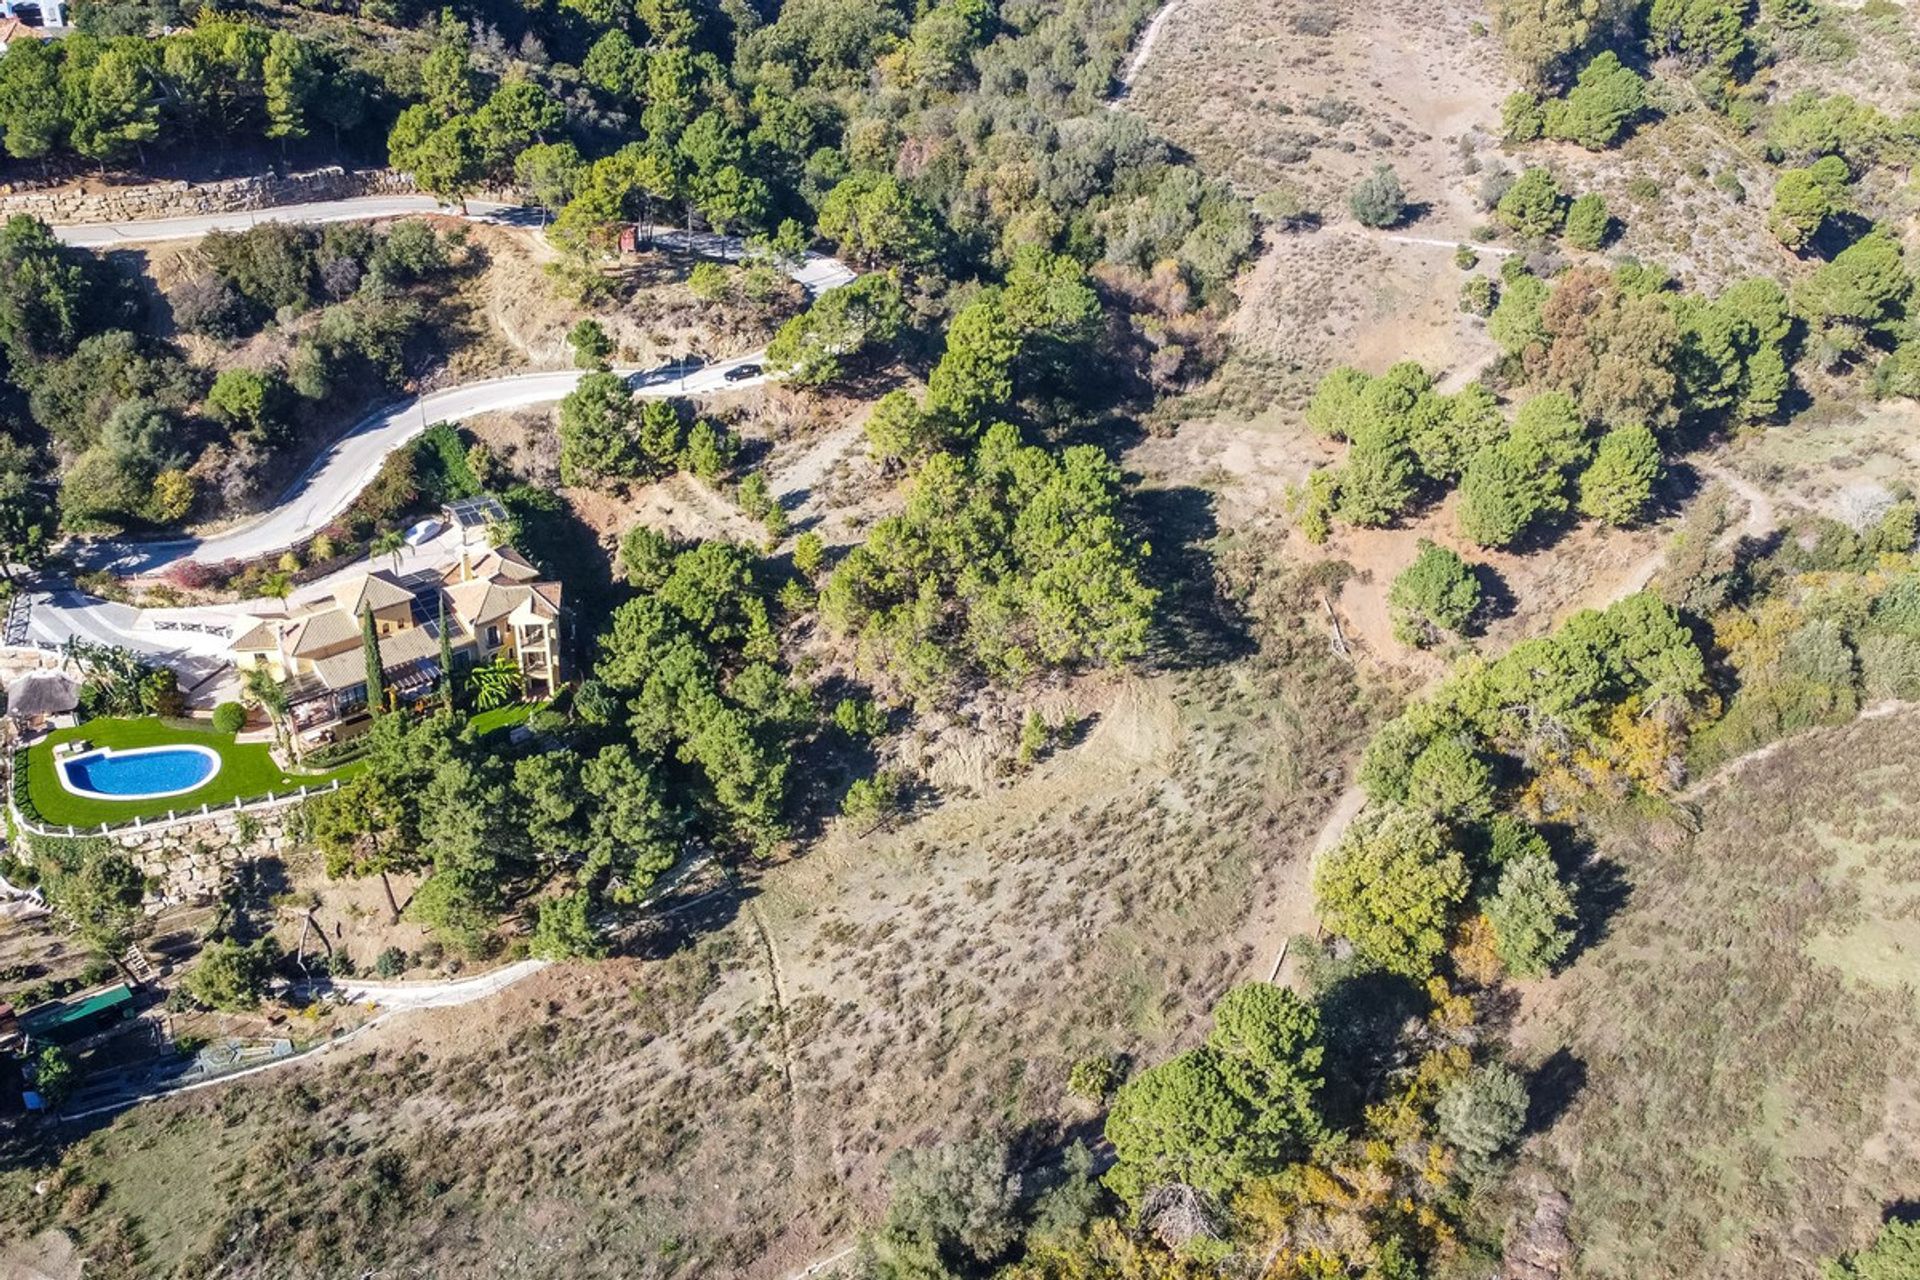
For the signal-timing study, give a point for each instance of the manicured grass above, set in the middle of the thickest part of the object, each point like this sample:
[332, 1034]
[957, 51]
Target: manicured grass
[485, 722]
[246, 770]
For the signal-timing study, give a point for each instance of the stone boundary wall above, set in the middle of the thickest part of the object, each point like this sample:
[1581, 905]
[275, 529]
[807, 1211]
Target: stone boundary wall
[180, 199]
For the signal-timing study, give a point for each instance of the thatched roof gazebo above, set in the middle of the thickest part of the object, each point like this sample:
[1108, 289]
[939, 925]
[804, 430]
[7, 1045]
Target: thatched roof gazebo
[39, 696]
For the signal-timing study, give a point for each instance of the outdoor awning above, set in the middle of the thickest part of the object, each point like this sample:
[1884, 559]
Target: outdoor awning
[49, 1018]
[415, 677]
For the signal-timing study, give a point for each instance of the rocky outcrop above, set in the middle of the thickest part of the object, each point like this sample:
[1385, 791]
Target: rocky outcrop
[179, 199]
[1541, 1250]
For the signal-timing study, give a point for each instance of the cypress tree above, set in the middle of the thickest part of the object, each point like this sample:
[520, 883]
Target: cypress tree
[446, 658]
[376, 673]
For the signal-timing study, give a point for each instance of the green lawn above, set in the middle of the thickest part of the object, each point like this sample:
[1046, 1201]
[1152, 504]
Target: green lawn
[485, 722]
[246, 769]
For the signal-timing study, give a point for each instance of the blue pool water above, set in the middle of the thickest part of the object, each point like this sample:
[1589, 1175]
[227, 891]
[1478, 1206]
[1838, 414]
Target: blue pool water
[140, 773]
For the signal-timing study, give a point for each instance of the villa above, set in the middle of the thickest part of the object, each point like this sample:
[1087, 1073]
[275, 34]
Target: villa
[494, 604]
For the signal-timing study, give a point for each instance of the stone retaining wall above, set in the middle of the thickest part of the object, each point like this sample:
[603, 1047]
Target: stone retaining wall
[190, 860]
[179, 199]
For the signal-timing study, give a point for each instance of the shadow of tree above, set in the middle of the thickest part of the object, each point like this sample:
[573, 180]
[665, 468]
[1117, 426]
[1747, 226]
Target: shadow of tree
[1195, 624]
[1601, 890]
[1552, 1088]
[1364, 1016]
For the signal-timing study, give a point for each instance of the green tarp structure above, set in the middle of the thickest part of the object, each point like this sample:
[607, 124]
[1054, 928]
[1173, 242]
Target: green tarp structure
[49, 1021]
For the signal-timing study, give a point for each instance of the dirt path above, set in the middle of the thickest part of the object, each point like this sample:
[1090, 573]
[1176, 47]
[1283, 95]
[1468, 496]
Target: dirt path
[1432, 242]
[816, 1267]
[1141, 52]
[1737, 765]
[1295, 893]
[1760, 510]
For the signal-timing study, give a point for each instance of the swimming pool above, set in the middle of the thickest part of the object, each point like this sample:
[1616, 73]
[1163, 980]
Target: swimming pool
[140, 773]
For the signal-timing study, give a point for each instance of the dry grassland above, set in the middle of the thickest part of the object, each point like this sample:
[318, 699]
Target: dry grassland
[1736, 1054]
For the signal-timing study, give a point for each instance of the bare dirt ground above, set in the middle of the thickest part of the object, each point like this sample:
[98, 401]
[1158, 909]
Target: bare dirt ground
[1866, 48]
[813, 451]
[352, 915]
[1841, 462]
[650, 314]
[1313, 95]
[1688, 192]
[1309, 98]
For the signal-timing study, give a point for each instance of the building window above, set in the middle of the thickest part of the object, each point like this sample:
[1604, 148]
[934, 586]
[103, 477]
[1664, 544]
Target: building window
[493, 637]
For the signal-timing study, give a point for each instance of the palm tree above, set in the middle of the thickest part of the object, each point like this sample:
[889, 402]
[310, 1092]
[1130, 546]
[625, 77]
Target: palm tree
[388, 542]
[261, 688]
[495, 684]
[277, 586]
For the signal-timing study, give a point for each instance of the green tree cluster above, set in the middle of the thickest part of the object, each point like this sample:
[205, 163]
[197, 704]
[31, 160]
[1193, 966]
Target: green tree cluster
[609, 437]
[1552, 702]
[1437, 593]
[1544, 38]
[1857, 302]
[1893, 1255]
[1629, 348]
[1606, 100]
[232, 977]
[1242, 1105]
[1402, 433]
[709, 709]
[1803, 200]
[1533, 208]
[1009, 560]
[452, 141]
[220, 82]
[1701, 34]
[843, 324]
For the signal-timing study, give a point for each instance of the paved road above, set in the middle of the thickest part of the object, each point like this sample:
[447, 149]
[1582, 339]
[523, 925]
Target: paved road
[359, 209]
[329, 486]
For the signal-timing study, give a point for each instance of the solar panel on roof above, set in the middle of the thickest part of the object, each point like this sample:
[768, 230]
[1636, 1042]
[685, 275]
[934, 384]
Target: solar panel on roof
[471, 512]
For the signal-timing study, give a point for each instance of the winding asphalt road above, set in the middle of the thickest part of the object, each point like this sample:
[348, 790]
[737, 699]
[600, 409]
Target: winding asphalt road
[334, 479]
[330, 485]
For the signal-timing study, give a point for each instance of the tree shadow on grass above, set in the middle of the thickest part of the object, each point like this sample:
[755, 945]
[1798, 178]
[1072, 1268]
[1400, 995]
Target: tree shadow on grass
[1552, 1088]
[250, 895]
[1601, 891]
[1194, 624]
[1497, 600]
[669, 925]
